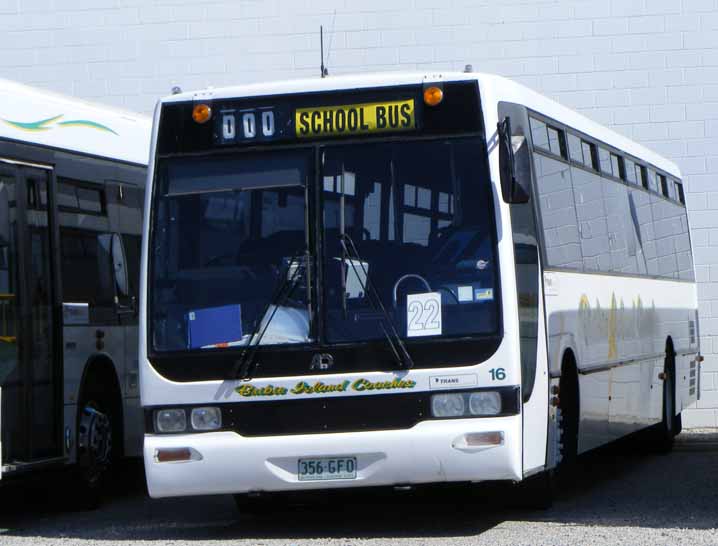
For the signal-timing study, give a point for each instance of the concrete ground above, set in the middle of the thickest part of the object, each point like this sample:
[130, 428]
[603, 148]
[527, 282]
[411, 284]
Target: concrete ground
[619, 496]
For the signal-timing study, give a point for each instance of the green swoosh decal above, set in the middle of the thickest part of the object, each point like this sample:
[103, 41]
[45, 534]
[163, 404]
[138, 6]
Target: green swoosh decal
[86, 123]
[33, 125]
[47, 124]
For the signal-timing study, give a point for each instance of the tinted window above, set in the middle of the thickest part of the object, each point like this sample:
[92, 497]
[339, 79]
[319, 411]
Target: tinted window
[621, 236]
[221, 254]
[642, 218]
[407, 241]
[589, 155]
[87, 275]
[679, 193]
[663, 186]
[604, 158]
[555, 141]
[652, 180]
[666, 225]
[539, 134]
[558, 214]
[74, 196]
[631, 172]
[575, 149]
[617, 167]
[592, 221]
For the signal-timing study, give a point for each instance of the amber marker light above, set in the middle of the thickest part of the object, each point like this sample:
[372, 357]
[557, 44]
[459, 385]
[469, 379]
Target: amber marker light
[433, 96]
[201, 113]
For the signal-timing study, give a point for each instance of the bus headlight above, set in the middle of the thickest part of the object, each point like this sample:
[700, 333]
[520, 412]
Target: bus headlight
[472, 404]
[206, 418]
[485, 403]
[170, 420]
[447, 405]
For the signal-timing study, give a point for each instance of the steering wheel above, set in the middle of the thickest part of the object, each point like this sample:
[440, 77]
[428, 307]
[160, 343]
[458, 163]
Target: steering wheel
[409, 276]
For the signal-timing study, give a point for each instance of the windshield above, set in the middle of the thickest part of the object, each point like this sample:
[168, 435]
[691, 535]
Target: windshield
[228, 232]
[405, 246]
[421, 217]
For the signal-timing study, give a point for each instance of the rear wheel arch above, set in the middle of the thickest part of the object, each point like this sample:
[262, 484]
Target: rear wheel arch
[100, 380]
[569, 372]
[570, 407]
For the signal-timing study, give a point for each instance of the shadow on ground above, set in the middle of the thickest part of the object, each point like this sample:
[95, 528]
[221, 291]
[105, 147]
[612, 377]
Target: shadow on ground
[617, 486]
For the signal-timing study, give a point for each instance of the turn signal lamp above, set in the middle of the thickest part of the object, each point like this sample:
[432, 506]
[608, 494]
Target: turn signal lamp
[201, 113]
[433, 96]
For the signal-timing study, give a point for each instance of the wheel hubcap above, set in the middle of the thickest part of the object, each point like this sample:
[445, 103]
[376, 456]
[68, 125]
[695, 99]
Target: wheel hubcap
[94, 442]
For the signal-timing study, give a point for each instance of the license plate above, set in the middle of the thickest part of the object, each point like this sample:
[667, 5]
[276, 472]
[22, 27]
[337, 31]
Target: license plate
[327, 468]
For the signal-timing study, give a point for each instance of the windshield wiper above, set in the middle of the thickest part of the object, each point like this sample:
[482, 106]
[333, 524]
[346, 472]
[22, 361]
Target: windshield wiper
[402, 356]
[245, 365]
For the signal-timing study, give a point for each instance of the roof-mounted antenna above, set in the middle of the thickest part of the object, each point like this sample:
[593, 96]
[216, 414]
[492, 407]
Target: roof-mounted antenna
[323, 68]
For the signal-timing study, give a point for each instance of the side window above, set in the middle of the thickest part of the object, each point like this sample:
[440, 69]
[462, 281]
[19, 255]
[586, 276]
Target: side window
[539, 134]
[663, 186]
[548, 138]
[556, 142]
[631, 177]
[621, 233]
[639, 203]
[652, 180]
[575, 149]
[604, 159]
[558, 215]
[666, 227]
[684, 256]
[590, 156]
[642, 176]
[679, 193]
[87, 275]
[617, 167]
[592, 220]
[76, 196]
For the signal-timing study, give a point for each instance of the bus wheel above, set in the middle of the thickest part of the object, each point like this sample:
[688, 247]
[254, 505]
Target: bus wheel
[94, 454]
[665, 432]
[568, 412]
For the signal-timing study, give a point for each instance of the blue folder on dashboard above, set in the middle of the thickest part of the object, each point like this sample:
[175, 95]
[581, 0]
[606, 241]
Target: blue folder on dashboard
[214, 326]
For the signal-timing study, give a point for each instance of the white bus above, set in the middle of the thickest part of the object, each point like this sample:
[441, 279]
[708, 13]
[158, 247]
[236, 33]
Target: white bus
[72, 179]
[404, 279]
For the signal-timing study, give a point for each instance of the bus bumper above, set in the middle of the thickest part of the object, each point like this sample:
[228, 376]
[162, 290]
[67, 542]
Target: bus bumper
[430, 452]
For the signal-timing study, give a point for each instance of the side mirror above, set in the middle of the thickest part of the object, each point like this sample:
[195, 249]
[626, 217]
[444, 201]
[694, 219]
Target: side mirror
[126, 303]
[514, 166]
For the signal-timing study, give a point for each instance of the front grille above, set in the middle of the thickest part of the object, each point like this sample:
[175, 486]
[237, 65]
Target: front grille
[322, 415]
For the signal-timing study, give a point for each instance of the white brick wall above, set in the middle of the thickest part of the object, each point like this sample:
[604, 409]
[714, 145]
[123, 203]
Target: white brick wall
[649, 68]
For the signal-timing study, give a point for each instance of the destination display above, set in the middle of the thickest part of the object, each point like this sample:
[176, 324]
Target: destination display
[306, 117]
[268, 123]
[355, 119]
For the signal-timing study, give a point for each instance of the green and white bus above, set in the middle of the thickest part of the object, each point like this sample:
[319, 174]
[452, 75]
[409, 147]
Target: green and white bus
[72, 178]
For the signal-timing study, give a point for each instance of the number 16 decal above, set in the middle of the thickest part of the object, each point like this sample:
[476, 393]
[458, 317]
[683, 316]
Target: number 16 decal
[423, 314]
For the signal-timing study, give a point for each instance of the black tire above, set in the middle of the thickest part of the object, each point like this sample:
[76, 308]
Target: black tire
[663, 434]
[96, 452]
[569, 409]
[538, 492]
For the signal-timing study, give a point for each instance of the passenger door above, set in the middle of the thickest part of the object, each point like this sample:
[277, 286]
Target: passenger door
[30, 363]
